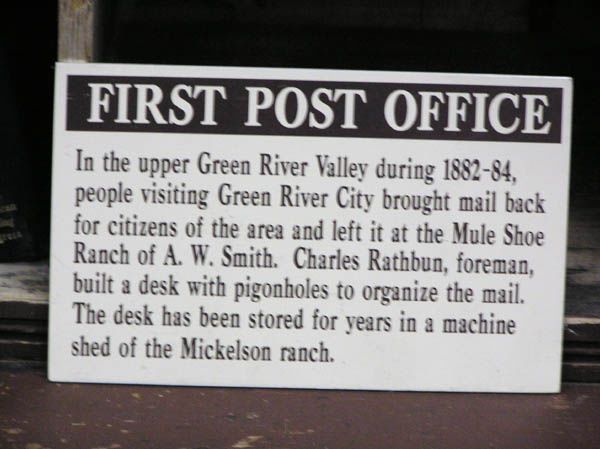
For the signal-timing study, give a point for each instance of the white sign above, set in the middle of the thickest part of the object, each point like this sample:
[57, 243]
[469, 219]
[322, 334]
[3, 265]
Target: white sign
[308, 228]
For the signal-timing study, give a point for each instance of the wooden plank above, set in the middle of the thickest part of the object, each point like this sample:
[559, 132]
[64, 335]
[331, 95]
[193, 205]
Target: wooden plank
[583, 267]
[23, 348]
[581, 372]
[24, 291]
[78, 27]
[24, 281]
[23, 309]
[582, 329]
[24, 327]
[581, 360]
[56, 415]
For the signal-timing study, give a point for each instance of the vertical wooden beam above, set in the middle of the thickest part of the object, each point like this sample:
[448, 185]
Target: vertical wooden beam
[78, 30]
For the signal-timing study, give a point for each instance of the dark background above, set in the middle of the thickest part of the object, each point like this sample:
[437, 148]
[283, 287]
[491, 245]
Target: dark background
[28, 36]
[526, 37]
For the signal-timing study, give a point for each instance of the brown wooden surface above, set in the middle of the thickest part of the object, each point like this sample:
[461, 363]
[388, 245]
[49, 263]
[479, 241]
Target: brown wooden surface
[36, 414]
[78, 24]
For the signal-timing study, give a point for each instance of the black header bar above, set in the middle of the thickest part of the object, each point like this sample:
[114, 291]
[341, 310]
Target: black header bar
[314, 108]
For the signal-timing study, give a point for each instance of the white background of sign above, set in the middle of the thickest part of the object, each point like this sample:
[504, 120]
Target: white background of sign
[528, 361]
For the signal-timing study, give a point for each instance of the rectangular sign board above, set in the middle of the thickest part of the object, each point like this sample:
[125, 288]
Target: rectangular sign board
[296, 228]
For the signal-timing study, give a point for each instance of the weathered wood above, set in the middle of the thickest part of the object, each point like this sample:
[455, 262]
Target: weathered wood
[24, 281]
[23, 309]
[24, 327]
[582, 329]
[39, 414]
[78, 27]
[582, 306]
[23, 340]
[581, 372]
[581, 359]
[23, 348]
[24, 291]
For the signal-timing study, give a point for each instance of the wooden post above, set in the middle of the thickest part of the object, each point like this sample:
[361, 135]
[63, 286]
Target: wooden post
[78, 30]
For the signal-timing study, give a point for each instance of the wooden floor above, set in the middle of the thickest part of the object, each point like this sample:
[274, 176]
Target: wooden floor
[36, 414]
